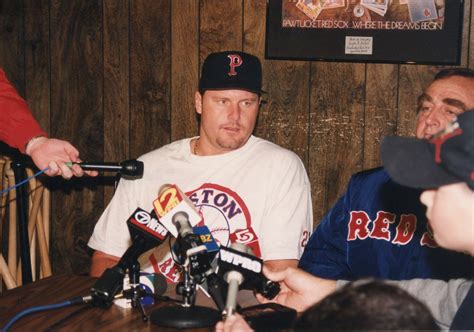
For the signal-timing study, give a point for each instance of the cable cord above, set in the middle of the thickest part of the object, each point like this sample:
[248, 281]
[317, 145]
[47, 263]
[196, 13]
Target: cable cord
[23, 182]
[27, 311]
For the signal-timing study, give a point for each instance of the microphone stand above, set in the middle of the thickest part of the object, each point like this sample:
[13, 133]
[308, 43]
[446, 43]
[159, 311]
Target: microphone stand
[186, 315]
[135, 293]
[111, 282]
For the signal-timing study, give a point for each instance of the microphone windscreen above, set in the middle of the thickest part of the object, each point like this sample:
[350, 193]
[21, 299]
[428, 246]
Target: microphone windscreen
[132, 168]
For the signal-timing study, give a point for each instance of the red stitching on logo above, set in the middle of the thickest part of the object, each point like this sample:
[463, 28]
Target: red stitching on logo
[235, 61]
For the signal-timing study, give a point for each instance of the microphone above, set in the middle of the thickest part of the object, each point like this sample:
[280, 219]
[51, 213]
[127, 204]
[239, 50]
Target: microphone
[146, 233]
[239, 258]
[189, 247]
[234, 279]
[130, 168]
[171, 200]
[192, 251]
[153, 285]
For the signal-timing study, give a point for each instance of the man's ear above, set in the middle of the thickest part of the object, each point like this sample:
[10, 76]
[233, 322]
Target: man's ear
[198, 102]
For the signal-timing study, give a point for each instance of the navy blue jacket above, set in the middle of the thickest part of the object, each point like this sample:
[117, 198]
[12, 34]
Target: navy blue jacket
[379, 229]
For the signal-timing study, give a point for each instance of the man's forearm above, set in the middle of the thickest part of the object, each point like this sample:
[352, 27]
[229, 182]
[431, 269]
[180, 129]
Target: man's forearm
[100, 262]
[18, 125]
[280, 264]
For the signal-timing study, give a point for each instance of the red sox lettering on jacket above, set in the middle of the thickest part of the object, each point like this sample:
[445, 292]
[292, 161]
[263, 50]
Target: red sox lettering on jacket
[359, 222]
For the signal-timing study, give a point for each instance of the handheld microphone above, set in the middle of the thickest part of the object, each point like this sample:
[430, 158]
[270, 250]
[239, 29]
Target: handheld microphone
[238, 258]
[146, 233]
[130, 168]
[234, 279]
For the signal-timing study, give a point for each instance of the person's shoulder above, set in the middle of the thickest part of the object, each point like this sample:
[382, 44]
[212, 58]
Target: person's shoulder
[378, 180]
[373, 175]
[165, 151]
[269, 149]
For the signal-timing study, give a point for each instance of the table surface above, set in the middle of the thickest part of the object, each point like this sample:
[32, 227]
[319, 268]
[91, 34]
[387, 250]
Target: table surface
[83, 317]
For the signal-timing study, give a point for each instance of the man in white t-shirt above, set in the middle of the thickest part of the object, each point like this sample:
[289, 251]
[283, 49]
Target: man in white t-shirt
[248, 190]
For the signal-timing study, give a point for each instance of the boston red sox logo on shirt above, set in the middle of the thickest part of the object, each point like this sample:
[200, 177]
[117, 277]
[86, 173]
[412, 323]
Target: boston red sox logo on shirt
[227, 217]
[235, 61]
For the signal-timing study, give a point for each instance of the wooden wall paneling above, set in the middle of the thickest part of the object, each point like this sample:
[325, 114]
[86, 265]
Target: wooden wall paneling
[37, 88]
[116, 18]
[380, 109]
[221, 26]
[336, 130]
[284, 120]
[284, 117]
[470, 27]
[150, 58]
[77, 115]
[254, 29]
[466, 33]
[12, 42]
[184, 67]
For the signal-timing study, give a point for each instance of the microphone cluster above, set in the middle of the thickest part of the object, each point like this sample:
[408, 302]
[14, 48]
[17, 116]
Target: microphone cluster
[175, 214]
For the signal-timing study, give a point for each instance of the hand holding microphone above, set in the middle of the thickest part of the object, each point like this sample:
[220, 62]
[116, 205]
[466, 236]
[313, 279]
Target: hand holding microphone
[234, 279]
[129, 168]
[241, 269]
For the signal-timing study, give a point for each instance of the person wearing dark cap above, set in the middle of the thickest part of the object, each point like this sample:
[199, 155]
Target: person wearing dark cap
[443, 167]
[247, 189]
[378, 227]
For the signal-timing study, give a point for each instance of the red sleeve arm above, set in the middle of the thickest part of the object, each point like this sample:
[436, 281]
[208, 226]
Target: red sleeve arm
[17, 124]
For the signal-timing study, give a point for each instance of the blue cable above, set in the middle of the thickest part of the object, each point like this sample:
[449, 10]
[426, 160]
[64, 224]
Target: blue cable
[31, 310]
[23, 182]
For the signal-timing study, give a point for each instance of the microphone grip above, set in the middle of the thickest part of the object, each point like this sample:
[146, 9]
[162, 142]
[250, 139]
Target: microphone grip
[214, 287]
[113, 167]
[234, 279]
[131, 168]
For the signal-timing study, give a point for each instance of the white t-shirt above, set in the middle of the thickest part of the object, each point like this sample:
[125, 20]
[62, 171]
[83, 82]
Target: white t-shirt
[258, 195]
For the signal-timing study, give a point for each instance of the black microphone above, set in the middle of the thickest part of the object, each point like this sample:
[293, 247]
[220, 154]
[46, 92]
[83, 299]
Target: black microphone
[146, 233]
[238, 265]
[190, 249]
[131, 168]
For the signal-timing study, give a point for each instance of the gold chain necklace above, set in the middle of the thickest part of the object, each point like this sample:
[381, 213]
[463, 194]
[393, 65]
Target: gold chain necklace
[195, 150]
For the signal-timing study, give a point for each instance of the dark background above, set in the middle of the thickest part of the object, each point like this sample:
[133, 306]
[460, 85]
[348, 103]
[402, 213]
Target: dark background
[117, 78]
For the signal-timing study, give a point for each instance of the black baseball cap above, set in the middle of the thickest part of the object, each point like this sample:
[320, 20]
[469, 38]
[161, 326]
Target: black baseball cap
[231, 70]
[445, 159]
